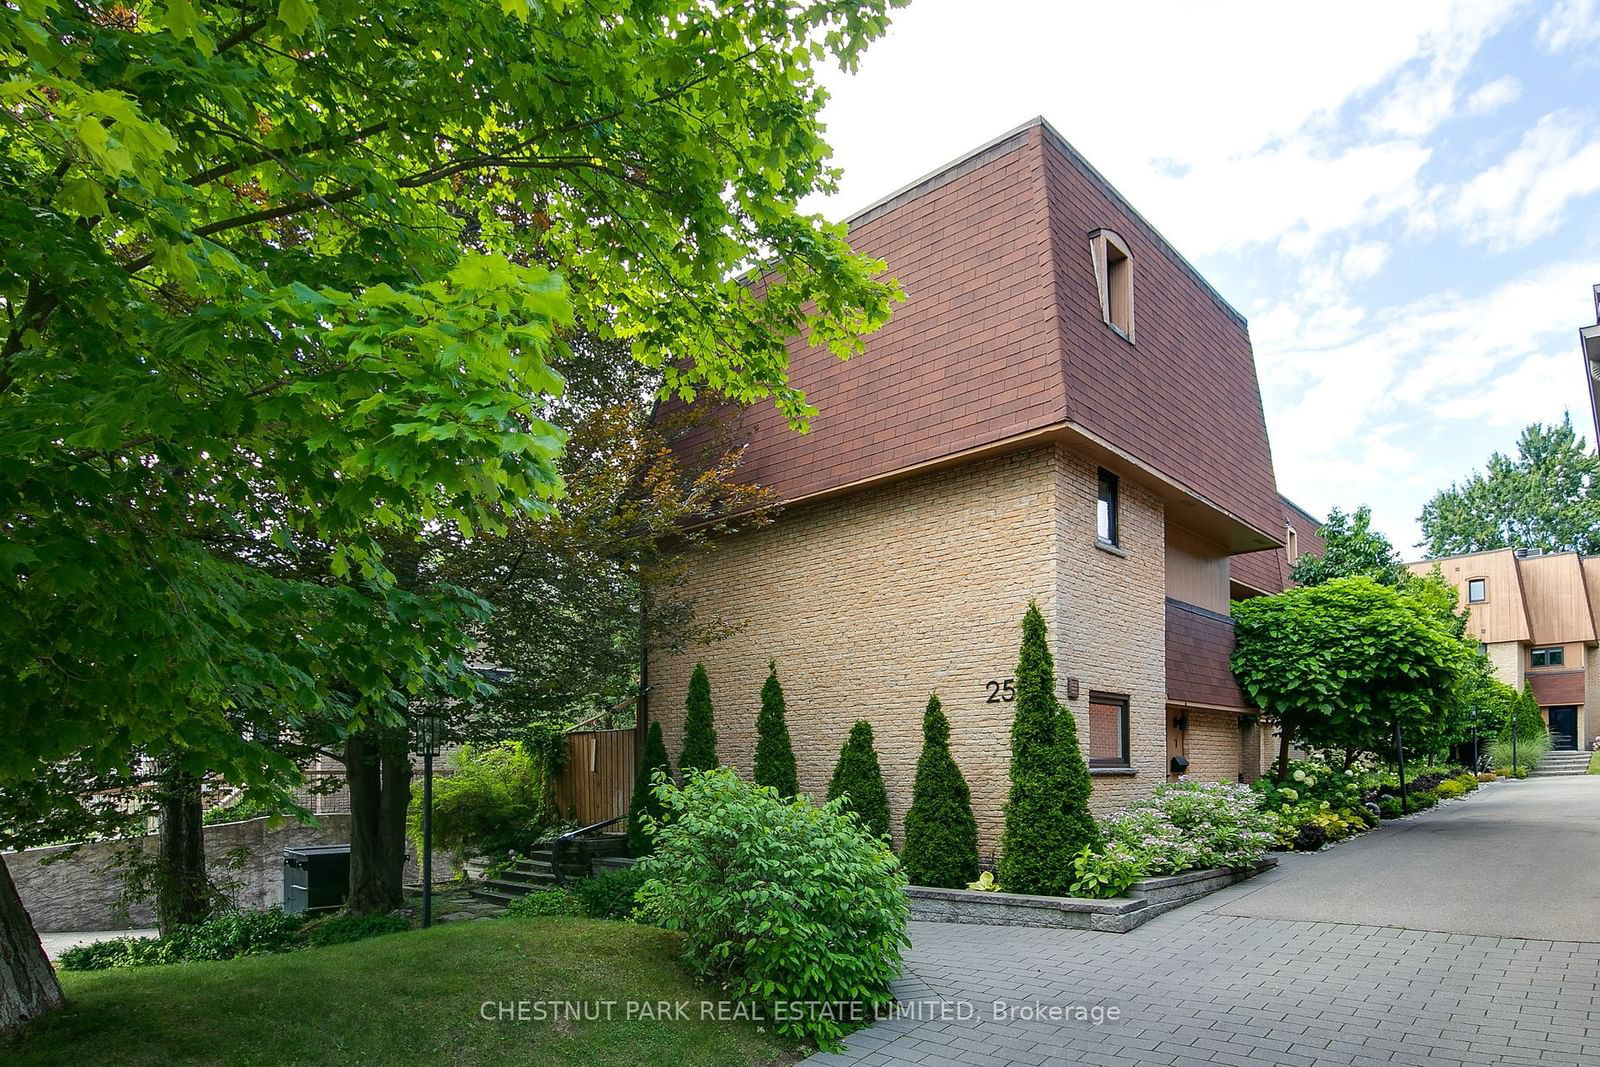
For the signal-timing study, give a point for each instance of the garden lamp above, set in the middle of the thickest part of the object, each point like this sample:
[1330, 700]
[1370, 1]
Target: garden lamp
[430, 733]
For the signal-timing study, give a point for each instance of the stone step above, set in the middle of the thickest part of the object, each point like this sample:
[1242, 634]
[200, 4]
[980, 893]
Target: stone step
[494, 896]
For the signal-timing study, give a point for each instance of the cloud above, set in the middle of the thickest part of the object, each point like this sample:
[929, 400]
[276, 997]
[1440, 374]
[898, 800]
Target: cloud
[1492, 96]
[1383, 406]
[1525, 195]
[1570, 23]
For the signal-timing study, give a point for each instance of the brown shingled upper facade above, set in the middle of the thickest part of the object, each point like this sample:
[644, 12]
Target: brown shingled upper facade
[1000, 344]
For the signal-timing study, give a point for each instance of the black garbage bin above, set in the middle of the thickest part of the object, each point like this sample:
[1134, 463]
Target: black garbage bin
[315, 878]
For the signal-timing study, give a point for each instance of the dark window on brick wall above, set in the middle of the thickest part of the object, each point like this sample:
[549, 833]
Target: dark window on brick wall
[1106, 510]
[1108, 731]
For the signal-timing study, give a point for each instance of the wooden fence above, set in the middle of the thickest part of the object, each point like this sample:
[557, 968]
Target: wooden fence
[597, 783]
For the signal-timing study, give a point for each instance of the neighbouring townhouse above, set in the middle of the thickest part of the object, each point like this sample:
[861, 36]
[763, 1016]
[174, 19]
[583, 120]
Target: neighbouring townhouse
[1535, 616]
[1062, 410]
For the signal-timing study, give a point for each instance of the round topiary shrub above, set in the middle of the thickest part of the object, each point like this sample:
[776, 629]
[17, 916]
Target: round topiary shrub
[780, 901]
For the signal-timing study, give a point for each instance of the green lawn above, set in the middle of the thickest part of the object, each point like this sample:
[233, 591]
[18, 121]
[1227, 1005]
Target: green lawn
[404, 998]
[1594, 763]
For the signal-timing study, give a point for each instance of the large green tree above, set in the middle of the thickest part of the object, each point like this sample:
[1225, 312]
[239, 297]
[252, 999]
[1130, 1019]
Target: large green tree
[1337, 666]
[1350, 547]
[1546, 497]
[287, 275]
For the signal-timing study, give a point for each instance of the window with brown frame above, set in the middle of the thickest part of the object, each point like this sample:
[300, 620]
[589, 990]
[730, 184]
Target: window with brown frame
[1113, 272]
[1477, 590]
[1108, 731]
[1548, 657]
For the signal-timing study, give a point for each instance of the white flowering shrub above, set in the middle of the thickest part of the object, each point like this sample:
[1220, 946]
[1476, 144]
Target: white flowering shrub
[1188, 825]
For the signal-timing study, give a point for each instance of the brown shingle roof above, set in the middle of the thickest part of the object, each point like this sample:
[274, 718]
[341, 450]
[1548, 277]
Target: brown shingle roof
[1001, 337]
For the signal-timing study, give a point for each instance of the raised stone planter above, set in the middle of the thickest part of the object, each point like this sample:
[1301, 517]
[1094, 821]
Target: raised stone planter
[1144, 900]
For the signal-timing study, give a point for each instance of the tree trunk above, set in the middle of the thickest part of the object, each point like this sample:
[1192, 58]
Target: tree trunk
[183, 890]
[28, 986]
[1350, 755]
[378, 768]
[1283, 757]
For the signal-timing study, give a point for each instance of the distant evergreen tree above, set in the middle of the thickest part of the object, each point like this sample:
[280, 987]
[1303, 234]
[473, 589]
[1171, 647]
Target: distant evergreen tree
[699, 734]
[941, 847]
[644, 797]
[859, 778]
[774, 754]
[1047, 819]
[1526, 718]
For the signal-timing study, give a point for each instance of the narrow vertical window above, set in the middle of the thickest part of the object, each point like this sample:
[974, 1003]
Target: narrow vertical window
[1291, 541]
[1106, 510]
[1113, 268]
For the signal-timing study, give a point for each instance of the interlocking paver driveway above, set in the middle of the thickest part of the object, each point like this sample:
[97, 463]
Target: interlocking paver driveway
[1205, 985]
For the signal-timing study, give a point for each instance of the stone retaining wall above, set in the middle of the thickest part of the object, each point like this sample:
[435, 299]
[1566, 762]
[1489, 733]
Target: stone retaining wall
[79, 890]
[1145, 900]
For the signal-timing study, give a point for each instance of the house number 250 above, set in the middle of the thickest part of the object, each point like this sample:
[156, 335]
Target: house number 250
[1001, 692]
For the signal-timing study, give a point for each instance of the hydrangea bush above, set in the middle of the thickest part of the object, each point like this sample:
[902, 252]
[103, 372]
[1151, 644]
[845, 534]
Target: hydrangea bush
[1188, 825]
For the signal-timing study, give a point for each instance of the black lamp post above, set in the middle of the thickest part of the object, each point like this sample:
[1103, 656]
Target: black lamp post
[1400, 758]
[430, 730]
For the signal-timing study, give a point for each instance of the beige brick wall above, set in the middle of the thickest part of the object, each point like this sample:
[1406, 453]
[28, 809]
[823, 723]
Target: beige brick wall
[1212, 745]
[1510, 660]
[869, 601]
[1110, 620]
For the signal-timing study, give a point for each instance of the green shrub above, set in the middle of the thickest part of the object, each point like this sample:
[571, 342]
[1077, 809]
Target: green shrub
[1310, 781]
[343, 929]
[1047, 820]
[489, 804]
[1188, 825]
[1530, 750]
[1422, 799]
[645, 809]
[780, 901]
[1107, 873]
[1450, 789]
[246, 807]
[610, 895]
[941, 846]
[699, 730]
[774, 755]
[112, 953]
[232, 934]
[1309, 837]
[539, 902]
[858, 782]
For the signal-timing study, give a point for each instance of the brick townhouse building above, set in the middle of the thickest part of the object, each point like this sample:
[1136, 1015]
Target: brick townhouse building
[1063, 410]
[1538, 615]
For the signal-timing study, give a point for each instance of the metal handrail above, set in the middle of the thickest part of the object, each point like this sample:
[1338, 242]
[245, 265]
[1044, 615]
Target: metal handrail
[555, 847]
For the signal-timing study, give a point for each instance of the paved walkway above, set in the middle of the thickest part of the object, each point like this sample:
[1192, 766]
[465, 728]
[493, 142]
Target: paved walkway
[1335, 958]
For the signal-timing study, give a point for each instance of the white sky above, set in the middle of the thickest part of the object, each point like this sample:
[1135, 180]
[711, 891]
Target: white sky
[1401, 196]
